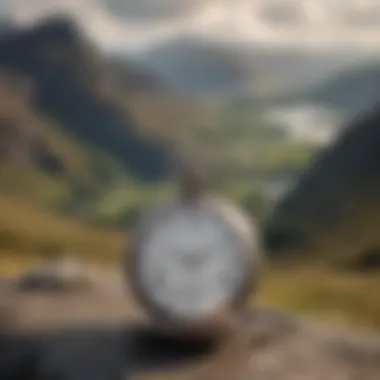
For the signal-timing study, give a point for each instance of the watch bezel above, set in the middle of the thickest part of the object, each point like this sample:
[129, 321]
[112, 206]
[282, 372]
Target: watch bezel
[250, 247]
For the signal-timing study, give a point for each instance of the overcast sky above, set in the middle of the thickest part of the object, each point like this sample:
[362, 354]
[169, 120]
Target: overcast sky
[130, 24]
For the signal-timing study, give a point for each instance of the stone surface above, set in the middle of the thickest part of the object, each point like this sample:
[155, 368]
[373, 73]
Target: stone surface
[102, 335]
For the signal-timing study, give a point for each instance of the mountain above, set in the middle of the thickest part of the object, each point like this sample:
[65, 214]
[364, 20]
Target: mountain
[199, 65]
[74, 86]
[291, 42]
[79, 128]
[206, 65]
[333, 211]
[134, 77]
[350, 91]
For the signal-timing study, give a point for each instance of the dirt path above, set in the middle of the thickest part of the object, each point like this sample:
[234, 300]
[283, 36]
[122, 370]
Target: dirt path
[92, 334]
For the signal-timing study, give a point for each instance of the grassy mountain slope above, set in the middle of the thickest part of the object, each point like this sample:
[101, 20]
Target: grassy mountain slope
[351, 91]
[333, 212]
[348, 91]
[68, 143]
[72, 85]
[96, 124]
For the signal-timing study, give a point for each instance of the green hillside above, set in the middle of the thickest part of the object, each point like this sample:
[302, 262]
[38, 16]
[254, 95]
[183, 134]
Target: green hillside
[85, 143]
[332, 214]
[78, 128]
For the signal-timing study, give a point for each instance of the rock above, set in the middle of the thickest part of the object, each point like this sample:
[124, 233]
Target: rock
[101, 335]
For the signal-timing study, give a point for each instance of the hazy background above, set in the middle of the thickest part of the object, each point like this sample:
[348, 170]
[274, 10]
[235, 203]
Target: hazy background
[95, 94]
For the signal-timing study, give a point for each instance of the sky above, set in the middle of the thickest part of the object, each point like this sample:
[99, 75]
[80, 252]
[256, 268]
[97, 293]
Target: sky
[136, 24]
[311, 39]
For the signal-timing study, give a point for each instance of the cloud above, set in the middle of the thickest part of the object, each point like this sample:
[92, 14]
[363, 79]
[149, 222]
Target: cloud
[151, 10]
[139, 11]
[297, 23]
[115, 23]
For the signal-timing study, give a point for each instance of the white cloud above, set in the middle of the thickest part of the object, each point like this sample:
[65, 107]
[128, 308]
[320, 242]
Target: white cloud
[128, 24]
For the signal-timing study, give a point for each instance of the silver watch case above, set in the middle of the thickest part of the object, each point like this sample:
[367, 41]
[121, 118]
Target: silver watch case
[246, 237]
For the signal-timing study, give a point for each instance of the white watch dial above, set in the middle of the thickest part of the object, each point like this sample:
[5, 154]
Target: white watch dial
[191, 263]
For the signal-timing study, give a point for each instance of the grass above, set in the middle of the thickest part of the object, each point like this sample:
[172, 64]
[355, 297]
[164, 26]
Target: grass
[28, 236]
[340, 297]
[33, 184]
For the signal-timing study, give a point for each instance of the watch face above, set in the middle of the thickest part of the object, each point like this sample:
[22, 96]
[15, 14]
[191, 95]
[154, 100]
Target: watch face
[191, 262]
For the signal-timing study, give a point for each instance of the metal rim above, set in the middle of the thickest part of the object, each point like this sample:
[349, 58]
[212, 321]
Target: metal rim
[247, 287]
